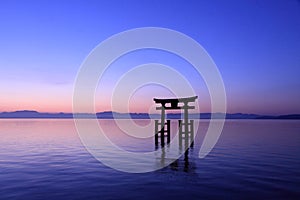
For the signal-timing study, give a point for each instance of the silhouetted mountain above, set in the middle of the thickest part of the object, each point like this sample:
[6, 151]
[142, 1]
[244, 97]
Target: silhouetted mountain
[293, 116]
[215, 116]
[111, 115]
[34, 114]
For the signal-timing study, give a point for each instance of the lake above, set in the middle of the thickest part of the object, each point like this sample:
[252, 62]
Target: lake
[45, 159]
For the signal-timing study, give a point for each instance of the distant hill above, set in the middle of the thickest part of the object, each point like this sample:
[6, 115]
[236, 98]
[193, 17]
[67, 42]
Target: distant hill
[111, 115]
[34, 114]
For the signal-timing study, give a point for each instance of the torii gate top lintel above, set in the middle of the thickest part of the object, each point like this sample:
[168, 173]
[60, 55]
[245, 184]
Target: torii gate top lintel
[174, 102]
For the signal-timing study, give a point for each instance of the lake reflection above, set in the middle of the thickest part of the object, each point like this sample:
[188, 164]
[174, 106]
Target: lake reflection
[44, 159]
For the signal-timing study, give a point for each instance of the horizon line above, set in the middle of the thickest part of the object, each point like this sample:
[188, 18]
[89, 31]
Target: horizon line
[107, 111]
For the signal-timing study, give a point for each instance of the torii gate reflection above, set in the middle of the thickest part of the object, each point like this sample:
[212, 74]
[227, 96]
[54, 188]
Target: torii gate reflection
[186, 127]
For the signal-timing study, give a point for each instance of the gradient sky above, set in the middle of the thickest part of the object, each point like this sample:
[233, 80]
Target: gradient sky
[255, 45]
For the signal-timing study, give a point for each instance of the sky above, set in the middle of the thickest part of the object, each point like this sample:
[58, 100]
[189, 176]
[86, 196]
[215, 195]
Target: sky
[255, 45]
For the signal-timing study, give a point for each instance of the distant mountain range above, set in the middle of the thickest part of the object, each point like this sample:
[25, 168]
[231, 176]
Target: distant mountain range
[111, 115]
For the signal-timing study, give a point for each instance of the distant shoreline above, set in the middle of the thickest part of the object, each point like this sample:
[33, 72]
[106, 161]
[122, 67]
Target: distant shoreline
[27, 114]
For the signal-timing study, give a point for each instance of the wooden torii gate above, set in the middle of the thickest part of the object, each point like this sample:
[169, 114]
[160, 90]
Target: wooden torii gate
[186, 127]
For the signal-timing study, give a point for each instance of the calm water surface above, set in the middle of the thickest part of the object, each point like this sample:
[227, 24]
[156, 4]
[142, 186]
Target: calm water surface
[44, 159]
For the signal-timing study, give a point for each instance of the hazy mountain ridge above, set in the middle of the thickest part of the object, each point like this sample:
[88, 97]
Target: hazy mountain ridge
[110, 115]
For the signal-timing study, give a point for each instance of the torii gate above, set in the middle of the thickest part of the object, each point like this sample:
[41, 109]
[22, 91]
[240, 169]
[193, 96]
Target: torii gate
[188, 125]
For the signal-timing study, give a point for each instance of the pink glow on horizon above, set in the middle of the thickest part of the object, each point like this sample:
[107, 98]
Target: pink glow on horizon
[59, 102]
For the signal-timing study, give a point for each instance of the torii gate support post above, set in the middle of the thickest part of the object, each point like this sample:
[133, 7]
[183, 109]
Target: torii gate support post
[192, 132]
[186, 123]
[162, 125]
[168, 132]
[160, 129]
[156, 132]
[187, 135]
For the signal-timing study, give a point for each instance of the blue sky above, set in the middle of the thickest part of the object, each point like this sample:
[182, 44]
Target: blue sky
[255, 45]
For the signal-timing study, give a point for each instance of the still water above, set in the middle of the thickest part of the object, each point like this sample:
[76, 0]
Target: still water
[45, 159]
